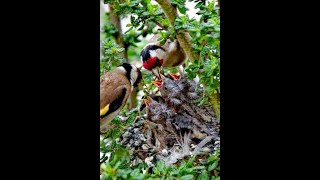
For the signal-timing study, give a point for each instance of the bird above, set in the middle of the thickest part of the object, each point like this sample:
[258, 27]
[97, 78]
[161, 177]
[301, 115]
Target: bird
[169, 91]
[115, 89]
[154, 109]
[176, 90]
[157, 109]
[167, 87]
[155, 56]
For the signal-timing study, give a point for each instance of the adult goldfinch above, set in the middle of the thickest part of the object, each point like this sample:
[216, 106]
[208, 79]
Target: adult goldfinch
[154, 56]
[115, 89]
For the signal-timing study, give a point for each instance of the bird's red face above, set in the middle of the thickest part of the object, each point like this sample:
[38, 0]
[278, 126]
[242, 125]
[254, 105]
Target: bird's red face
[152, 63]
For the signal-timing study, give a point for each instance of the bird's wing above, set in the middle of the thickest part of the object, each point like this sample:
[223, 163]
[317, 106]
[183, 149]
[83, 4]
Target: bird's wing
[113, 91]
[115, 104]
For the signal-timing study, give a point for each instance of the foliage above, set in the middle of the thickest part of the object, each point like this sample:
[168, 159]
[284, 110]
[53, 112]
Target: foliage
[111, 56]
[186, 170]
[205, 35]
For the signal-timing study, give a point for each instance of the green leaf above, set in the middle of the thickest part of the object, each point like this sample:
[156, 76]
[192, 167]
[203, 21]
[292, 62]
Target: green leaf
[169, 178]
[123, 172]
[182, 9]
[120, 50]
[178, 19]
[213, 166]
[117, 122]
[193, 67]
[182, 165]
[198, 34]
[174, 171]
[198, 168]
[165, 22]
[203, 176]
[190, 161]
[130, 120]
[217, 28]
[199, 5]
[113, 133]
[128, 30]
[216, 178]
[161, 166]
[145, 13]
[135, 172]
[141, 27]
[187, 177]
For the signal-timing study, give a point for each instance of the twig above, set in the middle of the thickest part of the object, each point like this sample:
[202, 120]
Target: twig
[201, 144]
[160, 25]
[103, 159]
[115, 20]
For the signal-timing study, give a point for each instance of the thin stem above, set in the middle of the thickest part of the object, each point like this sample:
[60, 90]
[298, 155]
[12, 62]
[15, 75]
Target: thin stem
[160, 25]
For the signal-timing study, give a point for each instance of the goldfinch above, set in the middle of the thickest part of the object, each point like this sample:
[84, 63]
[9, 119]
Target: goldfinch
[115, 89]
[154, 56]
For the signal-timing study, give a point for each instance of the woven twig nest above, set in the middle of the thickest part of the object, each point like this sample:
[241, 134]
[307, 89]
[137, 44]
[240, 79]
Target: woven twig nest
[175, 125]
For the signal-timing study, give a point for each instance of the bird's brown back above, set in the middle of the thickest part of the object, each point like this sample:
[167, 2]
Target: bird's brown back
[111, 85]
[176, 57]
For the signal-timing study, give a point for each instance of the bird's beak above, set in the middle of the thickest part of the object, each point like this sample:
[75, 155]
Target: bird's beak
[157, 83]
[175, 76]
[147, 101]
[156, 72]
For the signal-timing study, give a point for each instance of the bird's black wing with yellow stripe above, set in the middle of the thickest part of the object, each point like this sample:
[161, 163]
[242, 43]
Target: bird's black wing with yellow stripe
[114, 105]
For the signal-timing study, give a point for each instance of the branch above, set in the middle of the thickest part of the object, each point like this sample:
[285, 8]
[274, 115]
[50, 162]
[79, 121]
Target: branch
[183, 37]
[115, 20]
[215, 101]
[201, 144]
[133, 99]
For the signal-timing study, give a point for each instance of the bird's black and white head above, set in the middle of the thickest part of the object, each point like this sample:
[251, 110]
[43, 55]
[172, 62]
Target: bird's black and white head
[132, 73]
[152, 57]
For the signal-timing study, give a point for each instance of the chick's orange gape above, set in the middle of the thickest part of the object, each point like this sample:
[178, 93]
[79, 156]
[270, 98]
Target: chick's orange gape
[157, 83]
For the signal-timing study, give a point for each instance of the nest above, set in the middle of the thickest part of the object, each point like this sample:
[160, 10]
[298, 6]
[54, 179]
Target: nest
[174, 127]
